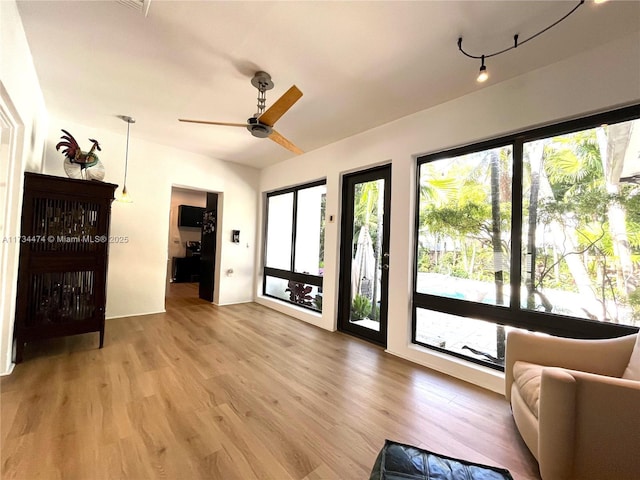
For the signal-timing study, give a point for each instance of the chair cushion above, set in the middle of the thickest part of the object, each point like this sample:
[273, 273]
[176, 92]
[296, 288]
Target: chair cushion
[527, 377]
[632, 372]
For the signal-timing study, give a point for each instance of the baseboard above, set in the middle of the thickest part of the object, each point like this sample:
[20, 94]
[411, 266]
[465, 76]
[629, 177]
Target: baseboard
[231, 303]
[483, 377]
[135, 315]
[8, 372]
[299, 313]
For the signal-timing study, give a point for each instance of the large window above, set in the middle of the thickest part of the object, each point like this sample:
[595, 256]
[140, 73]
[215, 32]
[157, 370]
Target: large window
[539, 230]
[294, 250]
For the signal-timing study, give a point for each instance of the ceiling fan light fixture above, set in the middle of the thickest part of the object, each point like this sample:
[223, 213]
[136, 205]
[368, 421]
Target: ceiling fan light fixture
[259, 130]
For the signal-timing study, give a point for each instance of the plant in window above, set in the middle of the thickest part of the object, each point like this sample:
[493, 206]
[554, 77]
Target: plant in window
[299, 293]
[360, 307]
[317, 302]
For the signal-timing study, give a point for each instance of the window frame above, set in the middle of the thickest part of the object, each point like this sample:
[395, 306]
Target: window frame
[291, 274]
[514, 315]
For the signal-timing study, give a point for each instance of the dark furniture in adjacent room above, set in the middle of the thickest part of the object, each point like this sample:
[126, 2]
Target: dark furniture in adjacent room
[186, 269]
[190, 216]
[63, 258]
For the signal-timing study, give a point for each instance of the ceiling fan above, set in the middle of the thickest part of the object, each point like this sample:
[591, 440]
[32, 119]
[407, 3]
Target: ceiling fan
[261, 123]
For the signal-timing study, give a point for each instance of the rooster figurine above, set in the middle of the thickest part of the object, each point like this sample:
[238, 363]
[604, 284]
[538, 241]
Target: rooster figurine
[79, 164]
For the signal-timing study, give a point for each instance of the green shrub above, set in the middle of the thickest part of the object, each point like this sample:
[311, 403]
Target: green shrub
[360, 307]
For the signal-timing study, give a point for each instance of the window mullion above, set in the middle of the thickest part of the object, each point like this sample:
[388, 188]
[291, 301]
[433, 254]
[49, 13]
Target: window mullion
[294, 230]
[516, 224]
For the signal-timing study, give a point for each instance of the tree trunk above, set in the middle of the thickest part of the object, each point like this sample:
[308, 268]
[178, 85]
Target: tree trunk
[536, 152]
[378, 251]
[564, 239]
[497, 247]
[613, 144]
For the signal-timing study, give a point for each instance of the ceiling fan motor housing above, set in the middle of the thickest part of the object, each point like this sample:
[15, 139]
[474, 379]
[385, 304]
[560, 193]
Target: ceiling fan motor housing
[262, 81]
[258, 129]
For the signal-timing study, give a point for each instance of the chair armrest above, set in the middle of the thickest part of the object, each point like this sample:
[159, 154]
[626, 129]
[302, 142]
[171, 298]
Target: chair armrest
[605, 357]
[589, 426]
[557, 423]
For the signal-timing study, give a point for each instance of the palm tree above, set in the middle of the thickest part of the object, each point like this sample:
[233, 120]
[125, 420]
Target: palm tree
[570, 166]
[459, 205]
[613, 142]
[583, 172]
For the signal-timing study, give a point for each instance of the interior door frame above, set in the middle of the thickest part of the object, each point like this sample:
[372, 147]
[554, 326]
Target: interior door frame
[346, 239]
[12, 162]
[208, 241]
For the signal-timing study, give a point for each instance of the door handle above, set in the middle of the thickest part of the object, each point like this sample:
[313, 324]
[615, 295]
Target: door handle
[385, 255]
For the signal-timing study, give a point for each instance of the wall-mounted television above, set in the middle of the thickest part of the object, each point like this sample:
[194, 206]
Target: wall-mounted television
[190, 216]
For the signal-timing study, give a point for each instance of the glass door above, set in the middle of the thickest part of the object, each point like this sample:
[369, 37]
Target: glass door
[364, 254]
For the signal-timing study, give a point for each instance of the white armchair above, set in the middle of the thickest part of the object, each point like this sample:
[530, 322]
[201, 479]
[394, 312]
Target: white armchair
[576, 414]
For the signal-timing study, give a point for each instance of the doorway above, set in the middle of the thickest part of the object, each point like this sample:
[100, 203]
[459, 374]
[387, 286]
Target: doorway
[364, 254]
[192, 244]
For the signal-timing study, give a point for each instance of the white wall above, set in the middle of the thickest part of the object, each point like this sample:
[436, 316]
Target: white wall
[137, 269]
[23, 119]
[603, 78]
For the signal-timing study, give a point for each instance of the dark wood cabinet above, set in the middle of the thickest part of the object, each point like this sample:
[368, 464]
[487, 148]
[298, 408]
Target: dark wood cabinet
[64, 242]
[186, 269]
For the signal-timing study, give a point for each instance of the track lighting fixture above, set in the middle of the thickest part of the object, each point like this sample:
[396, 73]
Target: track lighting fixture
[483, 75]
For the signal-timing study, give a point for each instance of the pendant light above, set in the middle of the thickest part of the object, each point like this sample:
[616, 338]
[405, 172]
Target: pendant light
[124, 197]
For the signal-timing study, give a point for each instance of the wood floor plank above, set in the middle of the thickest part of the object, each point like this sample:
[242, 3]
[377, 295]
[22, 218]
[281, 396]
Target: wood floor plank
[236, 392]
[322, 473]
[264, 464]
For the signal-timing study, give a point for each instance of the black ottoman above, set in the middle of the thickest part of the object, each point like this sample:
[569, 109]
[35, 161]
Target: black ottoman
[397, 461]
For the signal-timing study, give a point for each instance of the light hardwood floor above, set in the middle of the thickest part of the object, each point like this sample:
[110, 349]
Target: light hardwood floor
[236, 392]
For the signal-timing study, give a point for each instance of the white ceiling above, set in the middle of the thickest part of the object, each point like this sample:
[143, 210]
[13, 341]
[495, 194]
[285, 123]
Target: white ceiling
[359, 64]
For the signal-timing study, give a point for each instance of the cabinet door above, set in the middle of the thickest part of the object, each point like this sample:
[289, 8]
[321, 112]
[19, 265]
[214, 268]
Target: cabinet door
[62, 297]
[56, 224]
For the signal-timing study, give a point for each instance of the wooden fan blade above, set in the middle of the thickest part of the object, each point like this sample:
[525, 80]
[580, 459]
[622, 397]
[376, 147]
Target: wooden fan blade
[226, 124]
[280, 140]
[280, 107]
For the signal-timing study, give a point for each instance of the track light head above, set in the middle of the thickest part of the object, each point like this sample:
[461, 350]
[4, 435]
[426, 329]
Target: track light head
[483, 75]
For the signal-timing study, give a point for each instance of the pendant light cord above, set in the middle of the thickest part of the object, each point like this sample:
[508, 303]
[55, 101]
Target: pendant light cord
[126, 156]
